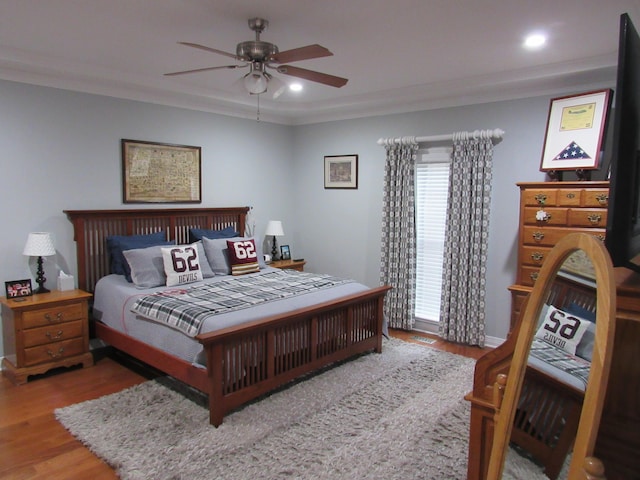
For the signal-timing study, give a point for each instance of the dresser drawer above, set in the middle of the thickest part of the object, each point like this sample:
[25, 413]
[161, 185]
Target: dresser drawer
[553, 216]
[528, 275]
[549, 236]
[569, 197]
[588, 217]
[52, 333]
[596, 198]
[534, 255]
[53, 351]
[53, 315]
[540, 197]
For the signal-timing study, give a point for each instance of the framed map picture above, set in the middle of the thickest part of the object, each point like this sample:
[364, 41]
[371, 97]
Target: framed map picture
[575, 131]
[160, 173]
[341, 171]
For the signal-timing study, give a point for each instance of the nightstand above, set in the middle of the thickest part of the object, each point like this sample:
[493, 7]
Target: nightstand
[45, 331]
[289, 264]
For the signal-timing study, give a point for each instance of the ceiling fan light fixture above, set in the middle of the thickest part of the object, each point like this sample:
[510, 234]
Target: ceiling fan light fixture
[256, 81]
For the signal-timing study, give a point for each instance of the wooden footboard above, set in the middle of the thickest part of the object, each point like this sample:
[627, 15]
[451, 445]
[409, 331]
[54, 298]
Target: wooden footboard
[249, 360]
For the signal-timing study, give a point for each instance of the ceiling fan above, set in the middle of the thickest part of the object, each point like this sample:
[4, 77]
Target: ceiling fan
[259, 56]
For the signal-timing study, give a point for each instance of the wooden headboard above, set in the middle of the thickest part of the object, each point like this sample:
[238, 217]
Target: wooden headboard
[92, 227]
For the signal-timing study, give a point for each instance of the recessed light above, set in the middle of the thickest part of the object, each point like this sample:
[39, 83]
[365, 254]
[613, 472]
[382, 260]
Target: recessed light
[295, 87]
[535, 40]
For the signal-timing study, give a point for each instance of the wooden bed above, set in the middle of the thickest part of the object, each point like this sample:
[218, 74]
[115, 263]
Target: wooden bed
[288, 345]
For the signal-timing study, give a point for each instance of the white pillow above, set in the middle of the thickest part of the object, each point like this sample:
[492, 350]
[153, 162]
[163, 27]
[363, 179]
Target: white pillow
[181, 264]
[147, 265]
[562, 330]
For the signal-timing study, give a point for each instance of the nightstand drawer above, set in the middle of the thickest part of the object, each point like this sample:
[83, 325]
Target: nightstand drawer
[53, 315]
[52, 333]
[53, 351]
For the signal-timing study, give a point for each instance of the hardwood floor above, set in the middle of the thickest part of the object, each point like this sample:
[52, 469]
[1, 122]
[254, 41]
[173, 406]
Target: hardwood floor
[33, 445]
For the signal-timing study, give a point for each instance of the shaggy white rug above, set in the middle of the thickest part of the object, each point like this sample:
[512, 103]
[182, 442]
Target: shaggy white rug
[396, 415]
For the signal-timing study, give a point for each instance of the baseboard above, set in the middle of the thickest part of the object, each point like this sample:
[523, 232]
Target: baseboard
[427, 326]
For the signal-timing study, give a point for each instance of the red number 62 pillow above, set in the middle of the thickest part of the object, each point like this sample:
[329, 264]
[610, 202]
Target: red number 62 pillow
[243, 256]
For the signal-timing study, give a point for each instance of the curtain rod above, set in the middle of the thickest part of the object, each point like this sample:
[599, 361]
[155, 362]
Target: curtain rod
[496, 134]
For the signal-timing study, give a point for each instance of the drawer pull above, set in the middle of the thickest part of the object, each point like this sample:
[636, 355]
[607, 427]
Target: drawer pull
[534, 276]
[59, 317]
[543, 216]
[571, 195]
[541, 198]
[56, 354]
[537, 236]
[57, 335]
[600, 237]
[602, 199]
[537, 257]
[594, 218]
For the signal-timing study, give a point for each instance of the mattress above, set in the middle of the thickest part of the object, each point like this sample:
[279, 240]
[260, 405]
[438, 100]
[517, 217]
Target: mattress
[568, 369]
[114, 297]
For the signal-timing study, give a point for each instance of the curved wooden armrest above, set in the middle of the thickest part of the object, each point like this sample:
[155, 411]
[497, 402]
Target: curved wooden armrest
[593, 469]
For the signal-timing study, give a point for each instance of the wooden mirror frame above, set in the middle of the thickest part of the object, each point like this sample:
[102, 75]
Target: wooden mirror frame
[600, 363]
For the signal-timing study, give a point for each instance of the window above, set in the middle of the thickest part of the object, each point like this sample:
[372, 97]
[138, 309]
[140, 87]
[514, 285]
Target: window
[432, 188]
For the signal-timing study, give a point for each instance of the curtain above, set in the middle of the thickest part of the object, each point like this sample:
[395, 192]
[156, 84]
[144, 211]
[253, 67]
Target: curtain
[398, 260]
[462, 311]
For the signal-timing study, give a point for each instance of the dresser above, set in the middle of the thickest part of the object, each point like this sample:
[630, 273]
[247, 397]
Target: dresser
[45, 331]
[548, 212]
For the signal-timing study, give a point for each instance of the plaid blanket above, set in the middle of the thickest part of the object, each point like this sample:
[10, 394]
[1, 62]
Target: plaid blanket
[185, 309]
[576, 366]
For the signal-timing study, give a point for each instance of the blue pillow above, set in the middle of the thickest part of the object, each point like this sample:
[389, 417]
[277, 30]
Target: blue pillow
[196, 234]
[585, 347]
[117, 243]
[580, 311]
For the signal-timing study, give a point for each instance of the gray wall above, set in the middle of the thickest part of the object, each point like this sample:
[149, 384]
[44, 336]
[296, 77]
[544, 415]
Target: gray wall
[61, 150]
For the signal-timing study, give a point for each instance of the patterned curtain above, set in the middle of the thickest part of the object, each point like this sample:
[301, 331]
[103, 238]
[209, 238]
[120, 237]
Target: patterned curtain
[462, 317]
[398, 264]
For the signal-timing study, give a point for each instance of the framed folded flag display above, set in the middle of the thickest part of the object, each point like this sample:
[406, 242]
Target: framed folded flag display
[575, 131]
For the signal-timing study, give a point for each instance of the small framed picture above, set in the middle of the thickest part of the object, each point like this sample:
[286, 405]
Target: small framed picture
[18, 288]
[285, 253]
[341, 171]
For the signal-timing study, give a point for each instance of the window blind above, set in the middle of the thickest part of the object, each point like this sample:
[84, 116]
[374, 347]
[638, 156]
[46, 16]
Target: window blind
[432, 188]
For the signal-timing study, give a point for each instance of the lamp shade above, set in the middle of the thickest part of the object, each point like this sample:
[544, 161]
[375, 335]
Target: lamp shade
[274, 228]
[39, 244]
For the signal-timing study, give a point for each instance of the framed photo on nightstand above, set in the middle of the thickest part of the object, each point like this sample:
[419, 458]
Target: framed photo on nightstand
[285, 253]
[18, 288]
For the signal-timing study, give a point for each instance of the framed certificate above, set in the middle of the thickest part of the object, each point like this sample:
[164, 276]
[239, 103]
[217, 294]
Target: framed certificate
[575, 131]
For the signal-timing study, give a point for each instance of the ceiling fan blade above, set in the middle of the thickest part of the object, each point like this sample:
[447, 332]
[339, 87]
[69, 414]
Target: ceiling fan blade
[203, 70]
[213, 50]
[276, 86]
[324, 78]
[302, 53]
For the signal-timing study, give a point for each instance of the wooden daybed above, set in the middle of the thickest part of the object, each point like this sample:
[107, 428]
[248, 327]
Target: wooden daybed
[290, 345]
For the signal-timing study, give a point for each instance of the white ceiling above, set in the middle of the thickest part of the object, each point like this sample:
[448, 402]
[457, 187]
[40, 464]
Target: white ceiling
[399, 55]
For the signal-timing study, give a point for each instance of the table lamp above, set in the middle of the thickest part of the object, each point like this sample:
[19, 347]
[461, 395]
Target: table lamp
[274, 229]
[39, 244]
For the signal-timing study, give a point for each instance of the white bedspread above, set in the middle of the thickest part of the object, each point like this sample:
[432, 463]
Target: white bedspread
[114, 296]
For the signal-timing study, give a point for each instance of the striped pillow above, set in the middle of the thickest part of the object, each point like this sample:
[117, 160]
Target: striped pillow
[243, 256]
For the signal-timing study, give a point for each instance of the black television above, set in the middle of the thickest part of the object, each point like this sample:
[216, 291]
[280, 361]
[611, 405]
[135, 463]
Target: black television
[623, 215]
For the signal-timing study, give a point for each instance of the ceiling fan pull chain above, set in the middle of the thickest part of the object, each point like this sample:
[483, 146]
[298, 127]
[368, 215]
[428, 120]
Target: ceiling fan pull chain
[258, 112]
